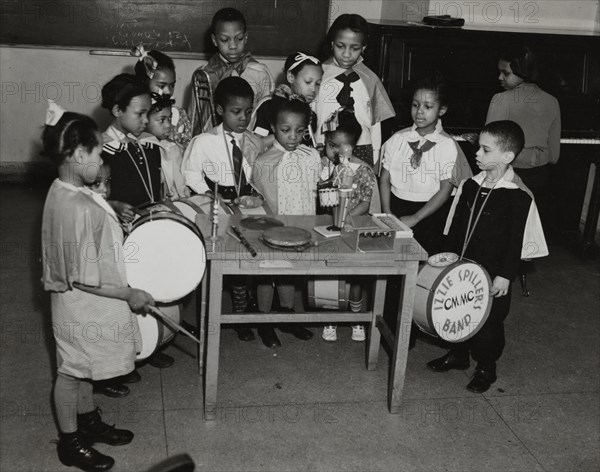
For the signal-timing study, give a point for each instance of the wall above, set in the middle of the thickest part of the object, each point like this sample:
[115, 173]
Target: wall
[73, 78]
[555, 14]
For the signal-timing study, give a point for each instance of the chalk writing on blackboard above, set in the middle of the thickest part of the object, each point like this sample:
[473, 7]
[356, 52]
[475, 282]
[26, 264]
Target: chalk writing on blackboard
[151, 39]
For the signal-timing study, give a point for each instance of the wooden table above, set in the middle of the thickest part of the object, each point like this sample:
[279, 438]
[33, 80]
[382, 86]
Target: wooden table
[329, 257]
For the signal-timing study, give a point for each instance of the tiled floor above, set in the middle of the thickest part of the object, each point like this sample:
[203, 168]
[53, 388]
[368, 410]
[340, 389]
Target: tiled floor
[311, 406]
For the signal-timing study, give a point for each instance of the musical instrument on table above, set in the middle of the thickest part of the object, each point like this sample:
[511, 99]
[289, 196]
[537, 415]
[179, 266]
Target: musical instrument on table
[164, 254]
[452, 298]
[287, 238]
[328, 197]
[197, 205]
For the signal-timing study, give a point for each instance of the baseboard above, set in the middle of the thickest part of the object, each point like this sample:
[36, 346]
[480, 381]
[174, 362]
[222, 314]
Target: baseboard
[30, 173]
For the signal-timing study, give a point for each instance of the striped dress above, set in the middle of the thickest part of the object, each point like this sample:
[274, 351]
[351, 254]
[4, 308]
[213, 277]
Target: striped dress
[82, 242]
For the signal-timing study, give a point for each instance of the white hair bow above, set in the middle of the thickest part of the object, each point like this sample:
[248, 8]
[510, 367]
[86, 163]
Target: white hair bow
[149, 62]
[53, 113]
[300, 58]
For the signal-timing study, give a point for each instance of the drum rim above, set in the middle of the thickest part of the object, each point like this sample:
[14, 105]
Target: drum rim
[429, 310]
[167, 215]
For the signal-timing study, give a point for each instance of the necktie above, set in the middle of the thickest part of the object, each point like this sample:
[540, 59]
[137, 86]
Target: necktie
[238, 157]
[344, 98]
[415, 159]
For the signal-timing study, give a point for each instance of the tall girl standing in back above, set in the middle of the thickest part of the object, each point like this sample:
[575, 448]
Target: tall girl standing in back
[348, 83]
[82, 251]
[158, 71]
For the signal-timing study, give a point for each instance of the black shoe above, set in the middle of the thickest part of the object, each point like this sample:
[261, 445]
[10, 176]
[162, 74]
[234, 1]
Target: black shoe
[244, 333]
[111, 389]
[298, 331]
[73, 451]
[269, 338]
[448, 362]
[92, 429]
[160, 360]
[132, 377]
[481, 381]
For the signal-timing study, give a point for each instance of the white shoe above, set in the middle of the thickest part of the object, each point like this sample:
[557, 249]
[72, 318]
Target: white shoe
[329, 333]
[358, 333]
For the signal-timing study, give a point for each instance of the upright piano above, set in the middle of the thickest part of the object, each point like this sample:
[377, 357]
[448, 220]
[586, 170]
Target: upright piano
[401, 53]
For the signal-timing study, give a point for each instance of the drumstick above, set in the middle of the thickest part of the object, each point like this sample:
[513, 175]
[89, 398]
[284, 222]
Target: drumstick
[244, 241]
[173, 324]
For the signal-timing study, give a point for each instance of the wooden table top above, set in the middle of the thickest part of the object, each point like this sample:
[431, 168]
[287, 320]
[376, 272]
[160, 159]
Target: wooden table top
[330, 250]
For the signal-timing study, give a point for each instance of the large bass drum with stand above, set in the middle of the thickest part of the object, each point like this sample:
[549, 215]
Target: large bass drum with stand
[166, 257]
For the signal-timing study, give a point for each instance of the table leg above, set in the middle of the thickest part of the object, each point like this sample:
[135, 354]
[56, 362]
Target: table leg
[202, 294]
[374, 334]
[402, 338]
[211, 372]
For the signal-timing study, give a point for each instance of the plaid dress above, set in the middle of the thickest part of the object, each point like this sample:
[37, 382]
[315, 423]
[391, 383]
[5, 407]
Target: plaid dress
[82, 242]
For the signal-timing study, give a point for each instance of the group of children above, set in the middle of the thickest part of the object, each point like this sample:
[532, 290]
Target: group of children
[272, 148]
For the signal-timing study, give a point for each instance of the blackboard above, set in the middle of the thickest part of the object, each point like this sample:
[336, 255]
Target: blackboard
[275, 27]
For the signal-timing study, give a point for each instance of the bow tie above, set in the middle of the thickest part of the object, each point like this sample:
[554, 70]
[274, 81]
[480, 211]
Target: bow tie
[415, 159]
[344, 98]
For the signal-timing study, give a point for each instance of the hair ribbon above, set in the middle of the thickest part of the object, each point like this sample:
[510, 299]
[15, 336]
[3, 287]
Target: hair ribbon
[300, 58]
[54, 113]
[163, 100]
[149, 62]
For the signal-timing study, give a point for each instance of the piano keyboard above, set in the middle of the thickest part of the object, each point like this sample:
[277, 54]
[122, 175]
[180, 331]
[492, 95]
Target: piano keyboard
[588, 141]
[580, 141]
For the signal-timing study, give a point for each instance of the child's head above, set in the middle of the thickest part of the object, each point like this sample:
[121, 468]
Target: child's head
[429, 103]
[102, 183]
[304, 74]
[128, 100]
[159, 116]
[74, 140]
[516, 65]
[234, 100]
[348, 38]
[290, 122]
[499, 143]
[347, 132]
[156, 69]
[229, 33]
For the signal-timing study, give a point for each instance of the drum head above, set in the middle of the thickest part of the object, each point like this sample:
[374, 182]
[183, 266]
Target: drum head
[459, 301]
[169, 258]
[287, 237]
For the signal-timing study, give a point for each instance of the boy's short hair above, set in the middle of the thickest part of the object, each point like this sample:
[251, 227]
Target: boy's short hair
[522, 62]
[291, 106]
[508, 134]
[227, 15]
[231, 87]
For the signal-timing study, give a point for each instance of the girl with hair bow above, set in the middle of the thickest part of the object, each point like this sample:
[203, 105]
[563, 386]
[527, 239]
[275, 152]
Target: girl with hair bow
[303, 74]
